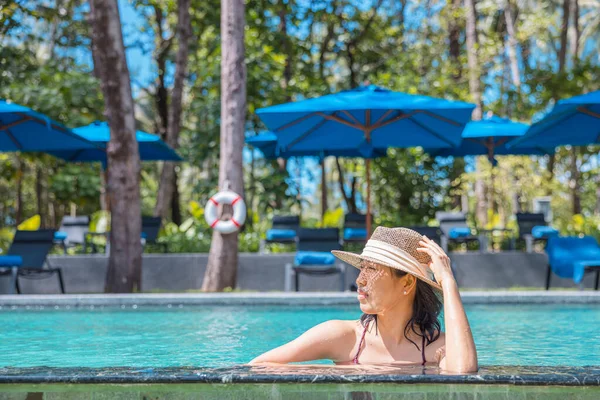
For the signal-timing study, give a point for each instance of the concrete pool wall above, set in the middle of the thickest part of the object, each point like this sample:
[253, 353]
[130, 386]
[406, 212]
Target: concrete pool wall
[265, 272]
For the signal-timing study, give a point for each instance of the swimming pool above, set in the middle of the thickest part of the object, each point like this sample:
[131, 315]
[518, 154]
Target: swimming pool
[146, 346]
[176, 335]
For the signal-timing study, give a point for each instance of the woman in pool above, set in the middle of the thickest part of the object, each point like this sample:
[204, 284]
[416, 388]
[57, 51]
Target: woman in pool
[403, 276]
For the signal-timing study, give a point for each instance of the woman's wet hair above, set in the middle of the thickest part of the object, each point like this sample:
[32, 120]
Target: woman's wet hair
[424, 321]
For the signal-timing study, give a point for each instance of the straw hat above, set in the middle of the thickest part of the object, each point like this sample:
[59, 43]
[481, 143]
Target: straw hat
[394, 248]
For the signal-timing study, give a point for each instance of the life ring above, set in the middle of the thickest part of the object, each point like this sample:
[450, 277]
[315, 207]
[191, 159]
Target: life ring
[211, 212]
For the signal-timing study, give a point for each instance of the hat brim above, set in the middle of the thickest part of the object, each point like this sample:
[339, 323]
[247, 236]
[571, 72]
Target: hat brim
[356, 259]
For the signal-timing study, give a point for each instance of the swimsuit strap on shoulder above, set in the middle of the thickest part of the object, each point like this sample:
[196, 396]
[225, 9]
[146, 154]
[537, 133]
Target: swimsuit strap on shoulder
[362, 339]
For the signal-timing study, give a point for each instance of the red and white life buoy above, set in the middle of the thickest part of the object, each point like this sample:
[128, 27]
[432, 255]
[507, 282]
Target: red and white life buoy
[211, 212]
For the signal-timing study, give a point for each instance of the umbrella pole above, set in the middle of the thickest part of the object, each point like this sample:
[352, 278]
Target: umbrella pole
[368, 198]
[323, 192]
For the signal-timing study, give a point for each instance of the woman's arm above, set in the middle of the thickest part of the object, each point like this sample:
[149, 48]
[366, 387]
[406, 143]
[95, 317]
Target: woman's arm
[460, 352]
[329, 340]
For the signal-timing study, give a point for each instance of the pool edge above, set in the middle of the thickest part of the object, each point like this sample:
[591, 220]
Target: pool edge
[283, 298]
[533, 376]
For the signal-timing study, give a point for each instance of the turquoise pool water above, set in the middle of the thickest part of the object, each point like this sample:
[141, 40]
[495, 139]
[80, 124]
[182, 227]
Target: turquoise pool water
[544, 335]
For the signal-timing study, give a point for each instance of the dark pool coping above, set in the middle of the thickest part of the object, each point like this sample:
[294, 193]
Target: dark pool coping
[280, 299]
[539, 376]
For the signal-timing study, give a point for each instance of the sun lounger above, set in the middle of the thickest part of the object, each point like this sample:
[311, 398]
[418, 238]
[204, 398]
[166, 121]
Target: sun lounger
[283, 230]
[27, 258]
[72, 231]
[455, 230]
[533, 228]
[313, 256]
[572, 257]
[355, 228]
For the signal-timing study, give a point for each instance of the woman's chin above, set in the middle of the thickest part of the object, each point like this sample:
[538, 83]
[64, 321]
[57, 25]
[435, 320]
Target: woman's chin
[367, 309]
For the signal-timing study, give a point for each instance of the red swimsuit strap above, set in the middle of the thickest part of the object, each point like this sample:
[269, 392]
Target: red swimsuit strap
[362, 339]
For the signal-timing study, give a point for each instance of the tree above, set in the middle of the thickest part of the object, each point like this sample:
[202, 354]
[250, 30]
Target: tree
[221, 270]
[511, 45]
[168, 178]
[475, 89]
[125, 259]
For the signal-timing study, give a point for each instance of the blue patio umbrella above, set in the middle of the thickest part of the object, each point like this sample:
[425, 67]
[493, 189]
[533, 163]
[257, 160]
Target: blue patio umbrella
[574, 121]
[490, 137]
[364, 118]
[22, 129]
[267, 144]
[151, 147]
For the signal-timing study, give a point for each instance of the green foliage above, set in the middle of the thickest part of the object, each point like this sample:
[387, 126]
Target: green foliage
[579, 225]
[333, 218]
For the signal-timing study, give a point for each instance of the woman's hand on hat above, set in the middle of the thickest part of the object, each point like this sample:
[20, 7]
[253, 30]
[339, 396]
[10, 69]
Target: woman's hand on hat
[440, 262]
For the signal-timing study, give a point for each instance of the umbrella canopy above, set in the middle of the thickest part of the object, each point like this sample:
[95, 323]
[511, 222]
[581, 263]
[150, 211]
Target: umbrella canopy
[151, 147]
[491, 137]
[267, 144]
[574, 121]
[367, 116]
[22, 129]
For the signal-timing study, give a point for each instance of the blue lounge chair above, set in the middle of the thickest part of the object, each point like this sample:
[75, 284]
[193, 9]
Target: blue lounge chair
[455, 230]
[283, 230]
[27, 255]
[355, 228]
[533, 228]
[572, 257]
[313, 256]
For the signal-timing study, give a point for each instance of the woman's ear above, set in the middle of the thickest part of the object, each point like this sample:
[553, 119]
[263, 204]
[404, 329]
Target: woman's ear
[410, 282]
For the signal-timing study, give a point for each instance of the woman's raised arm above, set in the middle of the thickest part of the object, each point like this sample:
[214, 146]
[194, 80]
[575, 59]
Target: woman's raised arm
[329, 340]
[460, 352]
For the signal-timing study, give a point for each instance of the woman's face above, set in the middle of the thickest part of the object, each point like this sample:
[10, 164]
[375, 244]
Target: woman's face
[379, 289]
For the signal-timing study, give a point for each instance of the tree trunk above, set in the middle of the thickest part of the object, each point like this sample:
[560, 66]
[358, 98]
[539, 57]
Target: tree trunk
[511, 45]
[168, 177]
[125, 259]
[163, 47]
[562, 58]
[577, 29]
[39, 195]
[454, 39]
[473, 59]
[175, 205]
[564, 32]
[223, 257]
[350, 205]
[475, 89]
[575, 182]
[286, 45]
[575, 152]
[401, 23]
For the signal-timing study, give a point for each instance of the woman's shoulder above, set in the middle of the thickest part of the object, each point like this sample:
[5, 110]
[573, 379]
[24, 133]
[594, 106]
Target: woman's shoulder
[338, 336]
[337, 328]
